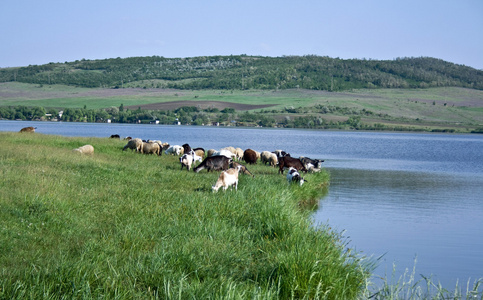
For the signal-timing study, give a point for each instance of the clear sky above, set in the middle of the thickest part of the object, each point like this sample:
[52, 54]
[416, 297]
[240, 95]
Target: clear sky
[34, 32]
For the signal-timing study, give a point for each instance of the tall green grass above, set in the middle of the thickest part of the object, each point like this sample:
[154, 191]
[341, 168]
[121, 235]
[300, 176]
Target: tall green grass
[406, 286]
[124, 225]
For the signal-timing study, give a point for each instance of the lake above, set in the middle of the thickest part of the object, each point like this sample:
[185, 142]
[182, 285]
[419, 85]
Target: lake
[404, 196]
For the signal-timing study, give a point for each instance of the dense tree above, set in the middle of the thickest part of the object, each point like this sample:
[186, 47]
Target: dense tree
[312, 118]
[250, 72]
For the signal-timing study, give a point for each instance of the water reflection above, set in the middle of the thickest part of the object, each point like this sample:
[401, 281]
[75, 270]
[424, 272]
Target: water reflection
[402, 215]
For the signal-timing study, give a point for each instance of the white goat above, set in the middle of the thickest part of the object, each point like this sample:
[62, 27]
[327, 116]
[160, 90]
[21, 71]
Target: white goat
[187, 160]
[227, 178]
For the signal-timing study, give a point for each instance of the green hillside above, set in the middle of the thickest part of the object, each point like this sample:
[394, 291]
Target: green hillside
[423, 94]
[250, 72]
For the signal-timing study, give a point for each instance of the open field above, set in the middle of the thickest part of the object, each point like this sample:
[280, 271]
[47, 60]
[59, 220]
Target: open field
[220, 105]
[433, 107]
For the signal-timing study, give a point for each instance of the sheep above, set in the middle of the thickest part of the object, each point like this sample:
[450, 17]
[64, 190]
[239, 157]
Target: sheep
[28, 129]
[250, 156]
[174, 150]
[225, 152]
[162, 146]
[200, 152]
[156, 141]
[293, 176]
[231, 149]
[239, 153]
[86, 149]
[210, 152]
[258, 155]
[115, 136]
[134, 144]
[151, 148]
[269, 157]
[265, 157]
[226, 179]
[273, 160]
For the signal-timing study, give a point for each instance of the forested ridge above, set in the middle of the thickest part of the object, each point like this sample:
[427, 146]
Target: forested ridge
[250, 72]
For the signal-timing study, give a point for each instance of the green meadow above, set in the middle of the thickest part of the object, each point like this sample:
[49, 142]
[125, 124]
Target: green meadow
[123, 225]
[460, 109]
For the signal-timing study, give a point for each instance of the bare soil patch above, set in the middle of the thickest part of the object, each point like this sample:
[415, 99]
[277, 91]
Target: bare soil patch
[172, 105]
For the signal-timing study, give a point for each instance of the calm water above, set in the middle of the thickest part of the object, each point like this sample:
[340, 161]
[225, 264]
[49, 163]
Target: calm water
[404, 196]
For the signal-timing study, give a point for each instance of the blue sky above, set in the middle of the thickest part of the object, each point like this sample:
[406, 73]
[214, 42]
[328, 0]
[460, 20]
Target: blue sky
[38, 32]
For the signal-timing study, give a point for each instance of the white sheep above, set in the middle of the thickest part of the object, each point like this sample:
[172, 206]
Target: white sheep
[258, 155]
[226, 153]
[231, 149]
[157, 142]
[174, 150]
[134, 144]
[239, 153]
[265, 157]
[199, 152]
[86, 149]
[151, 148]
[273, 160]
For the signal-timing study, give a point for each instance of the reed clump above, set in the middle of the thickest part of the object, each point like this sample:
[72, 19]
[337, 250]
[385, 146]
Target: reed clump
[119, 224]
[408, 286]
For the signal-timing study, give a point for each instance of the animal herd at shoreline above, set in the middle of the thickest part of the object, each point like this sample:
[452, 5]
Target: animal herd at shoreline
[227, 160]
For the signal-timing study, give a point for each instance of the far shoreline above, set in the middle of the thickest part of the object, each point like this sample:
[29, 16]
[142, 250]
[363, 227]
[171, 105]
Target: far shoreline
[388, 130]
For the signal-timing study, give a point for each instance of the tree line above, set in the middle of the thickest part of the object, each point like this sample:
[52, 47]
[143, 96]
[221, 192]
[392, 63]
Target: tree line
[250, 72]
[288, 117]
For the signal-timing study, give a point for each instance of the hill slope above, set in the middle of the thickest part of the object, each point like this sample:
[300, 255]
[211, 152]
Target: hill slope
[250, 72]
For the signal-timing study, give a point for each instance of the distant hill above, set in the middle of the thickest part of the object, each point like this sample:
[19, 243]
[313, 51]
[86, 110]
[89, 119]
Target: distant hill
[250, 72]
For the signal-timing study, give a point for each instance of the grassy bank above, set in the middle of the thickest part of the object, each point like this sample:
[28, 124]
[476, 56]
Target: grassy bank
[124, 225]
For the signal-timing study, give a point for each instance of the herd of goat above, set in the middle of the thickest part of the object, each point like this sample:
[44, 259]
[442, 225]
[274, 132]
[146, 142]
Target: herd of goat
[227, 160]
